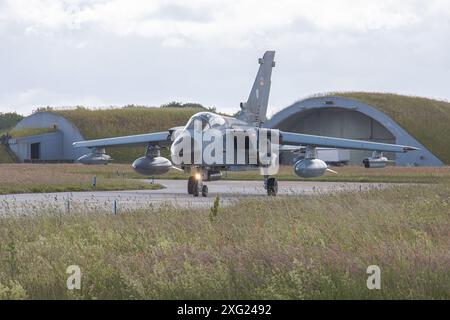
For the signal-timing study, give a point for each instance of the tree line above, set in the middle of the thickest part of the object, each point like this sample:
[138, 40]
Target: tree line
[9, 119]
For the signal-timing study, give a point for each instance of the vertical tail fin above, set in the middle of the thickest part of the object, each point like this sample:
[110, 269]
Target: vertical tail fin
[254, 110]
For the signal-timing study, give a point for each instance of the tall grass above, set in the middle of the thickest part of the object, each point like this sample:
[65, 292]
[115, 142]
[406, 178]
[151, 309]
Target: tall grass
[361, 174]
[347, 174]
[4, 156]
[312, 247]
[34, 178]
[25, 132]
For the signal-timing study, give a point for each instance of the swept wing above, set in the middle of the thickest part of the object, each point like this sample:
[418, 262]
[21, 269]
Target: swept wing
[162, 138]
[296, 139]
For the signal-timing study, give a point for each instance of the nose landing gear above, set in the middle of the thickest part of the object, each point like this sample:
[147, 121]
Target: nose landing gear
[196, 186]
[271, 185]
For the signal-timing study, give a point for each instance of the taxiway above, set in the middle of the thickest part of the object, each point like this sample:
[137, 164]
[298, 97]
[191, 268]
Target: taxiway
[174, 193]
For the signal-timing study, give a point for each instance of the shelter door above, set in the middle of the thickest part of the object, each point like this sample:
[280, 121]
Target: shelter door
[35, 153]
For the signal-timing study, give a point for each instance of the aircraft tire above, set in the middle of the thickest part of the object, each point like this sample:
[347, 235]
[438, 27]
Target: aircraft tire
[195, 189]
[272, 187]
[190, 185]
[204, 191]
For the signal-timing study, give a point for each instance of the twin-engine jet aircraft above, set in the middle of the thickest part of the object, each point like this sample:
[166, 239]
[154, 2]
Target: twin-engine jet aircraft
[210, 144]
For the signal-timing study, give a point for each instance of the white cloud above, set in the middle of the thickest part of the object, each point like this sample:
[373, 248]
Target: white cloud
[220, 21]
[26, 101]
[59, 52]
[173, 42]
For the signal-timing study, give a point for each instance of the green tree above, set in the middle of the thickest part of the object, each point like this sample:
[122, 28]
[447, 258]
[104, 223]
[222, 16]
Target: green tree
[9, 119]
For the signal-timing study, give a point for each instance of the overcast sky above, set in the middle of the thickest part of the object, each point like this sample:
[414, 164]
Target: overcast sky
[116, 52]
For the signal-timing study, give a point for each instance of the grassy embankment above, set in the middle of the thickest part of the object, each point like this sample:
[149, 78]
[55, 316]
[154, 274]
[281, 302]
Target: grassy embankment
[4, 156]
[427, 120]
[409, 112]
[7, 121]
[25, 132]
[312, 247]
[33, 178]
[113, 122]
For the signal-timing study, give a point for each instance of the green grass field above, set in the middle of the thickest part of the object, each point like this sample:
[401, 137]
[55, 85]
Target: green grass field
[302, 247]
[26, 178]
[345, 174]
[309, 247]
[38, 178]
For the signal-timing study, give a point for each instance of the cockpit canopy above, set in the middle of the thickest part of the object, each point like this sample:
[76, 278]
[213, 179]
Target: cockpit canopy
[205, 120]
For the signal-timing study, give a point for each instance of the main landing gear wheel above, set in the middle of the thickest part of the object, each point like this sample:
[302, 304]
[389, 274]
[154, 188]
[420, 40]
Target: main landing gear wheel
[195, 189]
[204, 191]
[272, 187]
[190, 185]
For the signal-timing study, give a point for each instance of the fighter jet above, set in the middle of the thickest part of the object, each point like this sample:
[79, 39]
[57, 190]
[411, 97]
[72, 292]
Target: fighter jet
[210, 144]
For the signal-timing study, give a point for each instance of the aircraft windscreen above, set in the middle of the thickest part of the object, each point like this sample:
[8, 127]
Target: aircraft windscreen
[207, 121]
